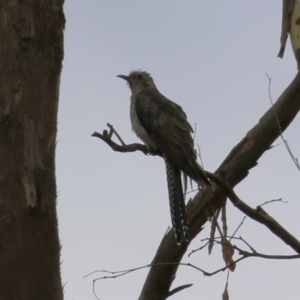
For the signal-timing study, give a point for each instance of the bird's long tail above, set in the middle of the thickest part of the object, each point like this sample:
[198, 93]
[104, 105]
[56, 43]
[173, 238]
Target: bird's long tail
[177, 204]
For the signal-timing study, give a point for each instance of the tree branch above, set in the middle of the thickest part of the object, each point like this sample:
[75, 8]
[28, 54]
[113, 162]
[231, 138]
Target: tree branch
[258, 214]
[234, 169]
[107, 138]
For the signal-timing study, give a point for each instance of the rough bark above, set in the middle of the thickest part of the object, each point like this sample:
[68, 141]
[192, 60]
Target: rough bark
[31, 53]
[234, 169]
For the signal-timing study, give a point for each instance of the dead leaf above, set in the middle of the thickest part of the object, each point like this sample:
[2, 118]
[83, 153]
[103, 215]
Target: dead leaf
[225, 295]
[228, 251]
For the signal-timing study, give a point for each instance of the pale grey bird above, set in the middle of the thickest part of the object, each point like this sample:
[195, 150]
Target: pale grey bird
[162, 125]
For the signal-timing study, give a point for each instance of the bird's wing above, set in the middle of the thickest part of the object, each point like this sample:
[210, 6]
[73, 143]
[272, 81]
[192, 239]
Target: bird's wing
[167, 125]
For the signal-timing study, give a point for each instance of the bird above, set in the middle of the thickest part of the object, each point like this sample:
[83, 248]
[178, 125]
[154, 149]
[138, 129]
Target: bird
[162, 125]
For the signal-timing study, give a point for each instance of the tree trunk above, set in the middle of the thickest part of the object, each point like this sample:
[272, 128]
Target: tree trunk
[31, 53]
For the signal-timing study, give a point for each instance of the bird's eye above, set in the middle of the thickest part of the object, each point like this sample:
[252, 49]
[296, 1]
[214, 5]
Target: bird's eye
[139, 76]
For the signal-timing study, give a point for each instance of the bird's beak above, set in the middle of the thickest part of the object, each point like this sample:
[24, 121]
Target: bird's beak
[123, 77]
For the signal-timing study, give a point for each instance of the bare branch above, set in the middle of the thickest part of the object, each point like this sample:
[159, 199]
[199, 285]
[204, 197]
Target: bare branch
[214, 225]
[242, 222]
[112, 130]
[251, 248]
[200, 248]
[274, 200]
[257, 214]
[178, 289]
[124, 148]
[245, 254]
[266, 256]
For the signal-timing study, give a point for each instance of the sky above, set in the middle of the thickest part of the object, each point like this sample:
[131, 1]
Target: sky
[210, 57]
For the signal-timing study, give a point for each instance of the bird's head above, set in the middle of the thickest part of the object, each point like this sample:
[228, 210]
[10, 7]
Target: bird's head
[138, 80]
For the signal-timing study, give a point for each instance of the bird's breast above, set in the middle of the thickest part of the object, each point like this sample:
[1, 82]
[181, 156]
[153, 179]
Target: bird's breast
[138, 128]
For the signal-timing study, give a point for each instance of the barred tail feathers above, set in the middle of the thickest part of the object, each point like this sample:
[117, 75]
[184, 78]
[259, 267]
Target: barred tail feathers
[177, 204]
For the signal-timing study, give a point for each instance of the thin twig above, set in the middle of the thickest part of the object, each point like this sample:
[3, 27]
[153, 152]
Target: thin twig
[266, 256]
[178, 289]
[116, 133]
[242, 222]
[251, 248]
[200, 248]
[245, 254]
[295, 160]
[274, 200]
[198, 153]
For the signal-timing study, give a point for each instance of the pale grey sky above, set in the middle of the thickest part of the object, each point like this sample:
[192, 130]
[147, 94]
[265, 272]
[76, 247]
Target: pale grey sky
[211, 58]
